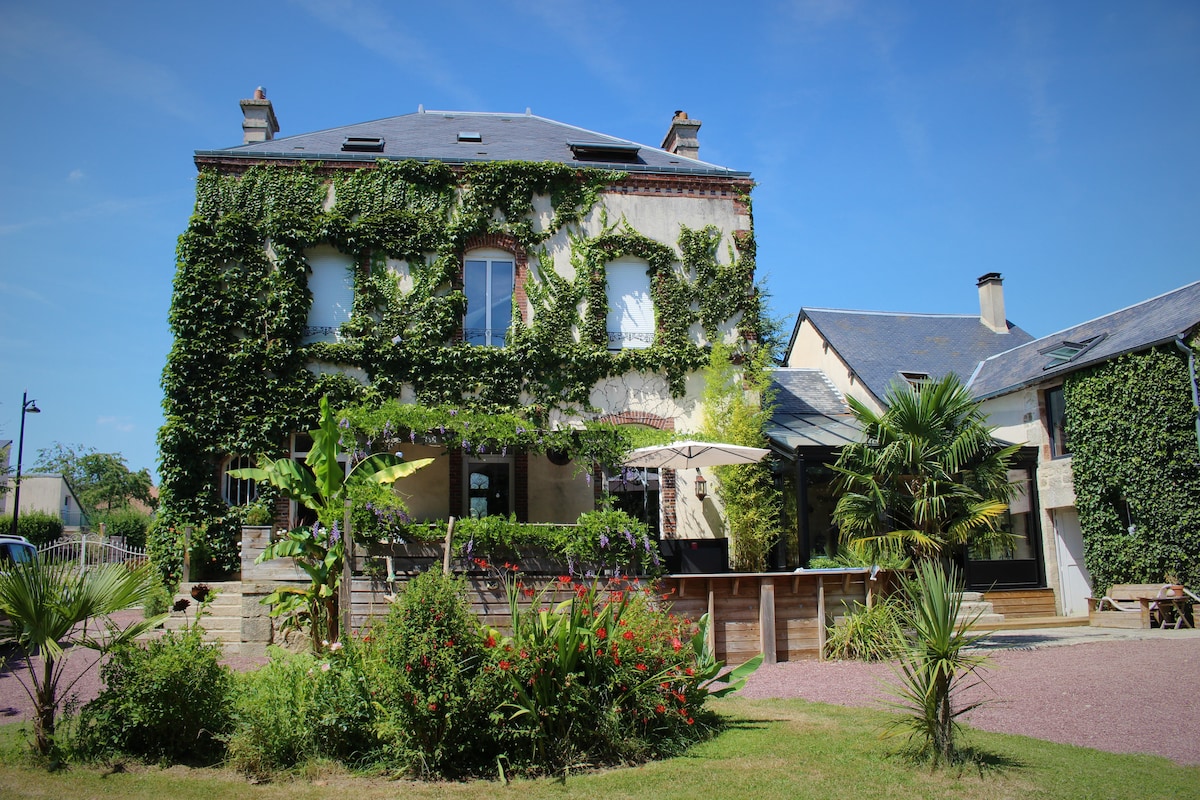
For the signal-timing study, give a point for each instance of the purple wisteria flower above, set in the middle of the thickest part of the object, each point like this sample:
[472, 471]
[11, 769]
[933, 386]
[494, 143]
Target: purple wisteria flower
[646, 542]
[629, 537]
[344, 423]
[412, 437]
[603, 540]
[335, 535]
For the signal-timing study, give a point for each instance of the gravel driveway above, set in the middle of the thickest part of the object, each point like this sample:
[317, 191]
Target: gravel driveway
[1111, 690]
[1121, 692]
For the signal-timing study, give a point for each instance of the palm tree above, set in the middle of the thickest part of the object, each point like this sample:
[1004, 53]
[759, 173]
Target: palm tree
[928, 477]
[47, 609]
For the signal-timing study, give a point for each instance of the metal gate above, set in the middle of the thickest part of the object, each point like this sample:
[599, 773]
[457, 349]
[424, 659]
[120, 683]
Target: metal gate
[91, 550]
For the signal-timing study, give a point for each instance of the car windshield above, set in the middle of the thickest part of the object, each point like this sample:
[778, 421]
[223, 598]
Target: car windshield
[16, 553]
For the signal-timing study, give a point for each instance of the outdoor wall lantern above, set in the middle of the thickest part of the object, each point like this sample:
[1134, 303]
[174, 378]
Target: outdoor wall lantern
[701, 486]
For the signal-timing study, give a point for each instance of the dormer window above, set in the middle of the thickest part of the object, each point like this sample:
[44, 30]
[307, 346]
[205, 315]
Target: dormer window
[608, 152]
[362, 144]
[1067, 351]
[915, 379]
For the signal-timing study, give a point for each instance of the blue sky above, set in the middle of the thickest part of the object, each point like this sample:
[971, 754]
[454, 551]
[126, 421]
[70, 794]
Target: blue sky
[901, 149]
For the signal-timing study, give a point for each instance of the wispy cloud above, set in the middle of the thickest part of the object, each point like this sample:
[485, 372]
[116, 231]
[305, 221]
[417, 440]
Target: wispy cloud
[122, 424]
[75, 175]
[104, 208]
[1032, 37]
[16, 292]
[383, 33]
[584, 31]
[31, 44]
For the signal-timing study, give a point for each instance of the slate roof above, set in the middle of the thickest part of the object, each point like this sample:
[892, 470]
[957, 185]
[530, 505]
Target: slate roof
[809, 412]
[434, 135]
[878, 346]
[1156, 321]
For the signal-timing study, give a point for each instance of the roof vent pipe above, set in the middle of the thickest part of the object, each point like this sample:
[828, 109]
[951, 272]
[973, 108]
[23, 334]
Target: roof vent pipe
[991, 302]
[682, 138]
[259, 124]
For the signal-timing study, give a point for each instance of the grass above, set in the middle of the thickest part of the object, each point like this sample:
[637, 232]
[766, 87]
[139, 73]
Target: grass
[773, 749]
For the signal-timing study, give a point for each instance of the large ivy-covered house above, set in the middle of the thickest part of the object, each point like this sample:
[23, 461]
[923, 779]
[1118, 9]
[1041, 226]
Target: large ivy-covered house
[508, 294]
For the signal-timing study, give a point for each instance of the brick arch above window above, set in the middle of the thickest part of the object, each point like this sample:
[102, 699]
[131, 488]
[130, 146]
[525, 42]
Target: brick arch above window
[640, 418]
[491, 245]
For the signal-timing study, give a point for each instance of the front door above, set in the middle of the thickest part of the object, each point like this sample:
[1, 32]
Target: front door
[489, 488]
[1075, 584]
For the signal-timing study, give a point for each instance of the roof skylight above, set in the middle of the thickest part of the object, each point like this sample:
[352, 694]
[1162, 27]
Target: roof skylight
[363, 144]
[1067, 351]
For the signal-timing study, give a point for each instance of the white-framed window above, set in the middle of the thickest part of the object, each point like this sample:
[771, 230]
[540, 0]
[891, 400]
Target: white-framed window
[238, 491]
[331, 282]
[630, 321]
[489, 277]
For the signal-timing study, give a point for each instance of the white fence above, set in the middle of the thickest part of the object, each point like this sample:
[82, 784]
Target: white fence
[90, 550]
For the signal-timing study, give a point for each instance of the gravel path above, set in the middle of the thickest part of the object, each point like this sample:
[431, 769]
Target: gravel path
[1122, 695]
[1120, 691]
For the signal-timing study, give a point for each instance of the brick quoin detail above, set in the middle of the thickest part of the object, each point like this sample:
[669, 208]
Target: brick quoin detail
[521, 487]
[666, 501]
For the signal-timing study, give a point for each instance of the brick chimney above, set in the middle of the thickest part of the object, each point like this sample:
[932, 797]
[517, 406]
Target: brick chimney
[991, 302]
[681, 139]
[259, 124]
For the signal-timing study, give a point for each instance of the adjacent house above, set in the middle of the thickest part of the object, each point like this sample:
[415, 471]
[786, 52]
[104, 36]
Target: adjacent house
[835, 353]
[497, 291]
[1110, 406]
[44, 492]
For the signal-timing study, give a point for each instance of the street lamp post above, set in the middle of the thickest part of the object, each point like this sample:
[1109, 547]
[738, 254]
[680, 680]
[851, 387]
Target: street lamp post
[27, 407]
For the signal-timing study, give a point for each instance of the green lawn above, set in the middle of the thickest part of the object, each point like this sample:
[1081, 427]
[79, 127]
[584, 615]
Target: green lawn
[785, 749]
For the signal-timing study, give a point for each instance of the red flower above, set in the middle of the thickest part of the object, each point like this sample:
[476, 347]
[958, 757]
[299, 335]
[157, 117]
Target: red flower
[601, 633]
[564, 579]
[676, 644]
[660, 709]
[491, 641]
[691, 721]
[527, 592]
[627, 634]
[505, 665]
[690, 671]
[433, 706]
[642, 667]
[449, 643]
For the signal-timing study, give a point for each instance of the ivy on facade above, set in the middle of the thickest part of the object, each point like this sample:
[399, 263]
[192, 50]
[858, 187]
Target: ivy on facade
[237, 379]
[1131, 424]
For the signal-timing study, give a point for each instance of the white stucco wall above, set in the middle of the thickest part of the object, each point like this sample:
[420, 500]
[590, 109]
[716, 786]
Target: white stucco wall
[425, 491]
[557, 494]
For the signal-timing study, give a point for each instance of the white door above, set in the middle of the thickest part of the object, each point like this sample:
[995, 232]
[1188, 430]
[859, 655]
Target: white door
[1075, 584]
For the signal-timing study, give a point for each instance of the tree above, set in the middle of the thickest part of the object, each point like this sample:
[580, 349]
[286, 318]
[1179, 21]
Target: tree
[928, 477]
[101, 481]
[323, 486]
[737, 406]
[47, 608]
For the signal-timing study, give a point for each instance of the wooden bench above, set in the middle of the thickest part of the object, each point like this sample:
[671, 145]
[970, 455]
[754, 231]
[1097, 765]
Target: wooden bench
[1140, 605]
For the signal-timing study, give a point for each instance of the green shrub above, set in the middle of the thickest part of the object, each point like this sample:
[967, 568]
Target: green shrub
[424, 662]
[612, 541]
[271, 712]
[158, 601]
[605, 677]
[167, 699]
[126, 522]
[874, 633]
[38, 527]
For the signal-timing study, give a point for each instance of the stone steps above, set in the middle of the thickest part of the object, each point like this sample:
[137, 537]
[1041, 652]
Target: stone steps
[222, 620]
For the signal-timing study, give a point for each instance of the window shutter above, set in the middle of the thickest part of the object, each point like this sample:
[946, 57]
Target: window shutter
[332, 287]
[630, 322]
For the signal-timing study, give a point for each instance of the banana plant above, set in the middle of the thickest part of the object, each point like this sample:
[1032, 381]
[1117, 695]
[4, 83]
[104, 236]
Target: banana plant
[321, 484]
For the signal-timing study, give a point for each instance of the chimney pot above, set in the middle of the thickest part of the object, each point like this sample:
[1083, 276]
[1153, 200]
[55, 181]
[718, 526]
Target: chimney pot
[991, 302]
[682, 138]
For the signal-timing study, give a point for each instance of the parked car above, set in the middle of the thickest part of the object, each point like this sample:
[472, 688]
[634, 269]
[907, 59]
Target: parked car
[15, 550]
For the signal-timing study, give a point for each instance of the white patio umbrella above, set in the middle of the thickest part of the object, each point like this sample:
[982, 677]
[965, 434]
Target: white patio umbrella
[685, 455]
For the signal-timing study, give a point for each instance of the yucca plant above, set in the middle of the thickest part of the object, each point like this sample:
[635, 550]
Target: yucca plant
[935, 665]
